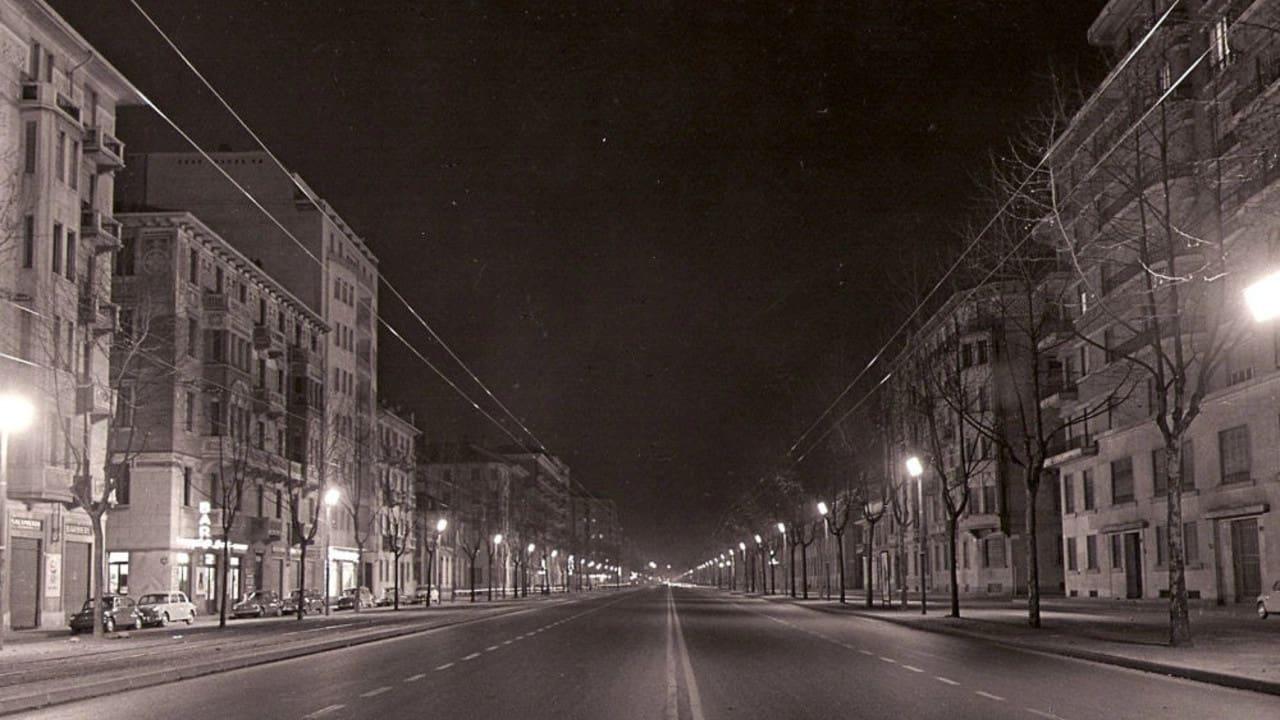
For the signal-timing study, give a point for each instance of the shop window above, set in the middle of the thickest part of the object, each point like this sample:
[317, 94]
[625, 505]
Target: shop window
[118, 572]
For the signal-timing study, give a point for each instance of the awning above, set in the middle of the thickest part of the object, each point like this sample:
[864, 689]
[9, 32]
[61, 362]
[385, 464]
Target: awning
[1238, 511]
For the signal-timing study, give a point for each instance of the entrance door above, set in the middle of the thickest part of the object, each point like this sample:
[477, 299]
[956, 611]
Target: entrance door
[1245, 559]
[1132, 565]
[24, 598]
[76, 571]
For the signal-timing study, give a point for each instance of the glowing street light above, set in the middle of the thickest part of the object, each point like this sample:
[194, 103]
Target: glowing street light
[823, 509]
[782, 528]
[915, 469]
[16, 413]
[759, 539]
[441, 524]
[332, 497]
[1263, 298]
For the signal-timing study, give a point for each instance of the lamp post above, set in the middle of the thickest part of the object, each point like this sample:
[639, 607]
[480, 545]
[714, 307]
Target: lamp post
[782, 533]
[16, 413]
[432, 547]
[916, 470]
[528, 562]
[331, 498]
[550, 565]
[746, 567]
[493, 548]
[825, 512]
[764, 579]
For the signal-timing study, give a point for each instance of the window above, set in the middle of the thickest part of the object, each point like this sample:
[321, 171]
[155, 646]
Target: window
[1190, 543]
[193, 267]
[262, 503]
[190, 420]
[1122, 480]
[1087, 482]
[988, 499]
[57, 249]
[73, 173]
[186, 486]
[118, 572]
[1117, 551]
[215, 418]
[28, 241]
[1164, 80]
[29, 148]
[71, 256]
[60, 157]
[1084, 360]
[126, 257]
[982, 352]
[124, 406]
[1220, 44]
[124, 479]
[279, 503]
[1160, 472]
[243, 292]
[1068, 493]
[1162, 545]
[1091, 552]
[993, 552]
[1233, 449]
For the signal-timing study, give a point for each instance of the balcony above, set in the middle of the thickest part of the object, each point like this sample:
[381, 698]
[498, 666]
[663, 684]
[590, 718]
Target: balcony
[248, 529]
[300, 355]
[268, 402]
[223, 375]
[102, 229]
[104, 149]
[103, 317]
[95, 400]
[1058, 394]
[40, 483]
[215, 302]
[1074, 447]
[38, 94]
[269, 339]
[979, 523]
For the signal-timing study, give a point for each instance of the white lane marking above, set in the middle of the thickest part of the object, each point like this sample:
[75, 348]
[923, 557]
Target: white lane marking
[491, 648]
[323, 711]
[445, 666]
[415, 678]
[948, 681]
[988, 695]
[912, 668]
[472, 656]
[376, 691]
[506, 642]
[866, 652]
[690, 681]
[888, 660]
[1043, 714]
[671, 711]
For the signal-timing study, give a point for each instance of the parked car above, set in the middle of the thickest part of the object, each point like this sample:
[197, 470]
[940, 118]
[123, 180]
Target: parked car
[312, 602]
[1269, 602]
[165, 607]
[351, 596]
[420, 595]
[259, 603]
[389, 598]
[118, 611]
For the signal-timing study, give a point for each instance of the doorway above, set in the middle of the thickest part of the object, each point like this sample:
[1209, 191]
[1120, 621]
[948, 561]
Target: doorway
[1132, 565]
[1246, 559]
[24, 574]
[76, 571]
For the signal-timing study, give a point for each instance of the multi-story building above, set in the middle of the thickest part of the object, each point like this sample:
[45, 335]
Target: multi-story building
[398, 530]
[436, 497]
[966, 366]
[59, 152]
[477, 486]
[217, 416]
[1175, 151]
[331, 269]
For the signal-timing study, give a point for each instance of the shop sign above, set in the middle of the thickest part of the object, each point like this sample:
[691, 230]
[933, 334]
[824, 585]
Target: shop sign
[80, 530]
[21, 523]
[52, 575]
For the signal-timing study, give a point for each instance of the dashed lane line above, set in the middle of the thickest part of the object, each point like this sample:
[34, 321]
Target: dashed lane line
[491, 648]
[866, 652]
[472, 656]
[415, 678]
[988, 695]
[376, 691]
[948, 681]
[1043, 714]
[445, 666]
[323, 711]
[888, 660]
[912, 668]
[506, 642]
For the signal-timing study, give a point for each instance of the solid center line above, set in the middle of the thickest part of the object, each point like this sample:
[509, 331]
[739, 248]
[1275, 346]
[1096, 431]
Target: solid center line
[948, 681]
[445, 666]
[376, 691]
[323, 711]
[690, 681]
[415, 678]
[912, 668]
[472, 656]
[988, 695]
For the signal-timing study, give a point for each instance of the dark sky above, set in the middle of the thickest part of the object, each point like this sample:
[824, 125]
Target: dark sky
[659, 231]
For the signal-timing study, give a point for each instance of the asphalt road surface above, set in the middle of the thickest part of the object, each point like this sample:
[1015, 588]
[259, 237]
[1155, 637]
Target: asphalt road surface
[678, 653]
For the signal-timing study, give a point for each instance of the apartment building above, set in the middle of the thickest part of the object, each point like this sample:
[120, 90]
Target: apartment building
[398, 532]
[217, 417]
[333, 271]
[1177, 151]
[966, 367]
[59, 151]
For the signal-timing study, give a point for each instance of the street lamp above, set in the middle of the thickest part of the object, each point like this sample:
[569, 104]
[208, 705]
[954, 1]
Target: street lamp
[432, 547]
[916, 470]
[16, 413]
[331, 498]
[1263, 298]
[823, 509]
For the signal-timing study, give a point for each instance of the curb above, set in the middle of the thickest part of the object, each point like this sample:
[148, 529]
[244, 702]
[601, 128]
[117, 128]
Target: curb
[1212, 677]
[86, 689]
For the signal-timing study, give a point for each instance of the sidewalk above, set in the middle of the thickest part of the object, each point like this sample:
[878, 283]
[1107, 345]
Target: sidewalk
[38, 670]
[1232, 646]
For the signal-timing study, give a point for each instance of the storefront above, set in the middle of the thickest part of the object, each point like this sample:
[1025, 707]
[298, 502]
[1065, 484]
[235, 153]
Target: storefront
[342, 569]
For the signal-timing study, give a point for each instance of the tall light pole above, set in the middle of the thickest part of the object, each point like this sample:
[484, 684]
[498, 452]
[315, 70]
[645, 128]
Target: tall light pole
[554, 552]
[493, 548]
[432, 549]
[746, 567]
[764, 579]
[331, 498]
[782, 533]
[916, 470]
[16, 413]
[528, 562]
[825, 512]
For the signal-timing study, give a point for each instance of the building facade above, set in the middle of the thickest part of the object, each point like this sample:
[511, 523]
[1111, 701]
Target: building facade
[59, 153]
[398, 530]
[216, 419]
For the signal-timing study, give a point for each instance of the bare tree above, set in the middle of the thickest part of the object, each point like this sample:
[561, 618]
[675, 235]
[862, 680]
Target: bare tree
[229, 423]
[873, 496]
[839, 511]
[397, 506]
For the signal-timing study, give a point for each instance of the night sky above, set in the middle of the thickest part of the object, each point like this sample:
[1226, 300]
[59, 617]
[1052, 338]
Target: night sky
[659, 231]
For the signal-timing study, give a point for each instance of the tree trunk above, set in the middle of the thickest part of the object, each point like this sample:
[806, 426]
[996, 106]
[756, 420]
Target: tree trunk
[396, 601]
[302, 580]
[225, 573]
[1032, 487]
[871, 533]
[791, 566]
[840, 560]
[472, 570]
[804, 569]
[431, 561]
[99, 569]
[951, 551]
[1179, 613]
[489, 579]
[359, 567]
[902, 564]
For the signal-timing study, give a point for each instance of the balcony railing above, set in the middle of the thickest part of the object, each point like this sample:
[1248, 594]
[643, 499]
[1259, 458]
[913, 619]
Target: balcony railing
[269, 339]
[102, 228]
[215, 302]
[44, 94]
[268, 401]
[104, 149]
